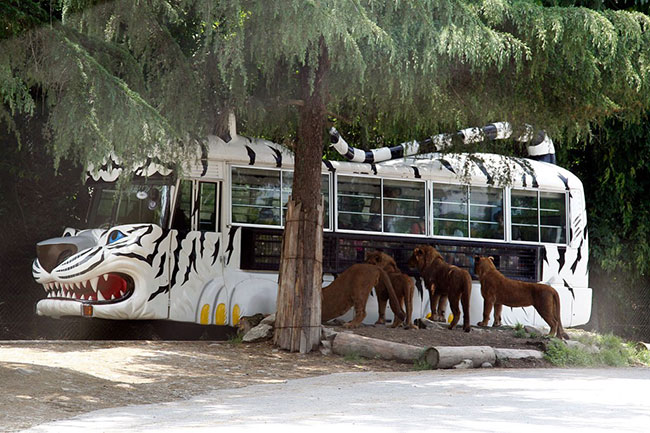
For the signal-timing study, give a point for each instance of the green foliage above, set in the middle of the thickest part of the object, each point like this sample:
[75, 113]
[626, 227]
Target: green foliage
[353, 357]
[520, 332]
[236, 339]
[421, 364]
[136, 78]
[596, 350]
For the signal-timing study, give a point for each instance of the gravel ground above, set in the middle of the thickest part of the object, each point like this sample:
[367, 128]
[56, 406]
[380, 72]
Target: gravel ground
[48, 380]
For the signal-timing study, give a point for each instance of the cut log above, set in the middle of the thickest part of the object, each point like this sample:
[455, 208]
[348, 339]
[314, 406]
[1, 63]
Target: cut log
[351, 344]
[504, 354]
[449, 356]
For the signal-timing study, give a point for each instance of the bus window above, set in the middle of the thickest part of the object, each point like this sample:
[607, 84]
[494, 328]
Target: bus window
[359, 203]
[524, 216]
[287, 185]
[486, 213]
[183, 209]
[132, 204]
[450, 210]
[256, 196]
[208, 207]
[404, 207]
[552, 217]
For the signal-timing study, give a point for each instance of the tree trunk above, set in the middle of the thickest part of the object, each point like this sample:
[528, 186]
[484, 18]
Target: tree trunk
[298, 316]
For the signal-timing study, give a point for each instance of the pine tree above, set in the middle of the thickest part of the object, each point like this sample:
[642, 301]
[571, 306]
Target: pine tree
[155, 76]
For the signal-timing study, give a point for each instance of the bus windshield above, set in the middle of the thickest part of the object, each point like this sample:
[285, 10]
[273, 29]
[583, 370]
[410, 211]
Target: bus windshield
[134, 203]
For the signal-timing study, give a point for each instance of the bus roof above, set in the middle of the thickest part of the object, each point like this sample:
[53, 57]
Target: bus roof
[476, 168]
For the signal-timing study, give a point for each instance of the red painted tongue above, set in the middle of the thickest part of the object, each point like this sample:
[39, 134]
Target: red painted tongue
[113, 288]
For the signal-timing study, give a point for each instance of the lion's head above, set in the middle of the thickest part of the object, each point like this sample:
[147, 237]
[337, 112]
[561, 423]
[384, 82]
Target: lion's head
[383, 260]
[483, 264]
[423, 256]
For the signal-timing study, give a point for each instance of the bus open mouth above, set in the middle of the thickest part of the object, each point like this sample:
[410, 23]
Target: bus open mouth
[106, 288]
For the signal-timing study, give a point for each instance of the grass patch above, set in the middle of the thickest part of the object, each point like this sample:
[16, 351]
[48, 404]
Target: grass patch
[520, 332]
[596, 350]
[353, 357]
[421, 364]
[236, 339]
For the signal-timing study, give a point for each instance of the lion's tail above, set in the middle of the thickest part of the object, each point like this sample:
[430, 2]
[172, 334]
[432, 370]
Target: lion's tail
[558, 317]
[392, 297]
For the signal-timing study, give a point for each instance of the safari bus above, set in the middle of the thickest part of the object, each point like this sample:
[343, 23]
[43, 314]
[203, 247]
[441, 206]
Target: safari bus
[204, 247]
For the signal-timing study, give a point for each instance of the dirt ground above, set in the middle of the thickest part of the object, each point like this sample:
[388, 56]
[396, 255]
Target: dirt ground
[43, 381]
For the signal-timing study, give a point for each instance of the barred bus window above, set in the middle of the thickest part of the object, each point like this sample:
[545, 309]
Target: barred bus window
[486, 213]
[404, 207]
[524, 210]
[287, 185]
[255, 196]
[450, 210]
[552, 216]
[359, 203]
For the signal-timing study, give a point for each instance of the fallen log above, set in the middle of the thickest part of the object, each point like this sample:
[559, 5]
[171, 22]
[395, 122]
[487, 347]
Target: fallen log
[505, 354]
[449, 356]
[351, 344]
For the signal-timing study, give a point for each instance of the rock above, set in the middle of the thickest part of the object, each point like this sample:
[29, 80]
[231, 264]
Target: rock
[578, 345]
[464, 364]
[326, 347]
[268, 320]
[487, 365]
[258, 333]
[327, 333]
[425, 323]
[247, 323]
[533, 330]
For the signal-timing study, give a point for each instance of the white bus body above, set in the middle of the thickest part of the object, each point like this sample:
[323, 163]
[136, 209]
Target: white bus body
[218, 262]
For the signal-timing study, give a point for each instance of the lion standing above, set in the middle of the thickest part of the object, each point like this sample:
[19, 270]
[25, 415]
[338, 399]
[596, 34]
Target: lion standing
[497, 291]
[444, 279]
[351, 289]
[402, 283]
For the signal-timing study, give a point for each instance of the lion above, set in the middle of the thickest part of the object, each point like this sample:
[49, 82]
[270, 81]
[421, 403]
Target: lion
[445, 280]
[351, 289]
[497, 291]
[402, 283]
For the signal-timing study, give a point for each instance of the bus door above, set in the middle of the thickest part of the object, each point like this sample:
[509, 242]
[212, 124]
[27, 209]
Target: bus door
[197, 280]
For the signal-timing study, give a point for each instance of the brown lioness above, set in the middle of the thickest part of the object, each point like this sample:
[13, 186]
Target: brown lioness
[497, 291]
[351, 289]
[444, 279]
[402, 283]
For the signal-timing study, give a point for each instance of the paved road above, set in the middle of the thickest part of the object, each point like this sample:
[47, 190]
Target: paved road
[484, 400]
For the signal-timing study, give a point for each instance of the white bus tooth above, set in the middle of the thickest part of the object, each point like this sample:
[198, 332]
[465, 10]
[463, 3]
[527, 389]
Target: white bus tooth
[100, 297]
[112, 296]
[105, 277]
[93, 283]
[83, 297]
[71, 294]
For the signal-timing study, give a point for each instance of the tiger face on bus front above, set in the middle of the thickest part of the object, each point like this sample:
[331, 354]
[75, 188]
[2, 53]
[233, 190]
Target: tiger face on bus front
[119, 272]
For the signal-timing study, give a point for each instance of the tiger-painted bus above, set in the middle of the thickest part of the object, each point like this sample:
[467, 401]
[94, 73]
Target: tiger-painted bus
[205, 248]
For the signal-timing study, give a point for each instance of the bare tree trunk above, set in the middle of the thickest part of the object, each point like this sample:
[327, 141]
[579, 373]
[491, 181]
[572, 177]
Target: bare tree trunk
[298, 315]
